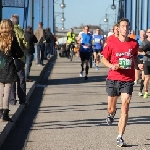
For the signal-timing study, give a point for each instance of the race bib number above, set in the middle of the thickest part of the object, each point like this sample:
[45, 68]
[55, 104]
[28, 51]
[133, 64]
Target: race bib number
[97, 40]
[125, 63]
[85, 46]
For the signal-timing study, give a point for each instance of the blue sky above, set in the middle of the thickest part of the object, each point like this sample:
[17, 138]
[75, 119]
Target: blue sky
[79, 12]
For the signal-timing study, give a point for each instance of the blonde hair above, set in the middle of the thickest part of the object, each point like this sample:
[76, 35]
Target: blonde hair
[6, 35]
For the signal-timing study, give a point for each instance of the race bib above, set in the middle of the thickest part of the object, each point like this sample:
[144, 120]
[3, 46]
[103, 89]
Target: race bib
[97, 40]
[84, 46]
[125, 63]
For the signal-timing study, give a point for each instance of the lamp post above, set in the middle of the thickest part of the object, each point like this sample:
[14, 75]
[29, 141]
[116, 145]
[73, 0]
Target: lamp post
[107, 19]
[62, 5]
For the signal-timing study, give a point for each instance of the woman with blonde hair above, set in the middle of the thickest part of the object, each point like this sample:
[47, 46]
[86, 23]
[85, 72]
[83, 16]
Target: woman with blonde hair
[9, 49]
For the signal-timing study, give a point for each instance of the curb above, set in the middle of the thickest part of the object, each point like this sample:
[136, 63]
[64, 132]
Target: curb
[19, 110]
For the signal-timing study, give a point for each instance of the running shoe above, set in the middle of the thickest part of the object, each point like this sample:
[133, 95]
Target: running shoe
[86, 77]
[120, 142]
[110, 118]
[140, 94]
[145, 95]
[94, 64]
[81, 74]
[136, 82]
[96, 68]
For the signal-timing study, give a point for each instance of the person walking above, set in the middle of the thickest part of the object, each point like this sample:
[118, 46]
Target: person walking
[119, 56]
[21, 83]
[31, 39]
[49, 40]
[9, 49]
[40, 35]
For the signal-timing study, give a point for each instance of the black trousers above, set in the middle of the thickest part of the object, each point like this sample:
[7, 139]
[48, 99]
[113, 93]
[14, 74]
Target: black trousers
[21, 88]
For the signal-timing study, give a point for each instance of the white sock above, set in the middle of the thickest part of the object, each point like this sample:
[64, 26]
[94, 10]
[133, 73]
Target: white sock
[119, 136]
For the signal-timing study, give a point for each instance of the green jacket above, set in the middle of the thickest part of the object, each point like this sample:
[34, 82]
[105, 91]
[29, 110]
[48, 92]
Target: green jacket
[20, 35]
[70, 37]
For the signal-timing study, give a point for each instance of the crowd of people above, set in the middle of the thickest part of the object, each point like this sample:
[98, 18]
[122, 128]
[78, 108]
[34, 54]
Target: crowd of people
[17, 48]
[125, 54]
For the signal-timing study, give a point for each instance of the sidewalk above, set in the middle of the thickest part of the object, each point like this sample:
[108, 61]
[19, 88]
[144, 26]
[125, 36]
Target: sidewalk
[15, 110]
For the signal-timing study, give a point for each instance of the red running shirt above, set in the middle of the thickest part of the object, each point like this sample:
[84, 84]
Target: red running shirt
[111, 37]
[122, 53]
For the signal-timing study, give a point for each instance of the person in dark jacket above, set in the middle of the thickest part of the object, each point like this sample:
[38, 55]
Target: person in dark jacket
[48, 38]
[31, 39]
[21, 83]
[9, 49]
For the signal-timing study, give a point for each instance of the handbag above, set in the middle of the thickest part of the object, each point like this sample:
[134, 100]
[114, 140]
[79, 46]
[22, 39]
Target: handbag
[19, 64]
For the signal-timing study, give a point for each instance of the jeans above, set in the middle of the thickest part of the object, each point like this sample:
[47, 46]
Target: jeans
[40, 53]
[29, 59]
[48, 49]
[21, 88]
[4, 95]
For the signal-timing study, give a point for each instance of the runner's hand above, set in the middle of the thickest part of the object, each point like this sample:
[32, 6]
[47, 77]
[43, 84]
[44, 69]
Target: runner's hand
[115, 67]
[140, 66]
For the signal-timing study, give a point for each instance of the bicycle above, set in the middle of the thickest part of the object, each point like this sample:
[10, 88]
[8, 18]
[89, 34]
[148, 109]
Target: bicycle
[71, 50]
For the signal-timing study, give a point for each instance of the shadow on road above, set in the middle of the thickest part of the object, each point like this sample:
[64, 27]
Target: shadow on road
[139, 120]
[18, 136]
[77, 80]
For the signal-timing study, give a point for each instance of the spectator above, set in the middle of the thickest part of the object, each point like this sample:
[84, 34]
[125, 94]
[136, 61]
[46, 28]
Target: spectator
[21, 84]
[9, 49]
[31, 39]
[54, 44]
[49, 39]
[40, 35]
[132, 35]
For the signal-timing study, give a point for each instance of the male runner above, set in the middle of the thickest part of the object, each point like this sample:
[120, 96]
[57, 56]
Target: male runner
[98, 41]
[85, 50]
[145, 47]
[119, 56]
[115, 34]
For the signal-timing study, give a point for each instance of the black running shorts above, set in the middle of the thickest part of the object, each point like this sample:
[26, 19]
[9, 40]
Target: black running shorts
[84, 56]
[115, 88]
[146, 69]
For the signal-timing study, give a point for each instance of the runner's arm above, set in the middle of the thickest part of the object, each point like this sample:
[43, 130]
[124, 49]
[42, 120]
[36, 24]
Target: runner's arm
[106, 62]
[79, 37]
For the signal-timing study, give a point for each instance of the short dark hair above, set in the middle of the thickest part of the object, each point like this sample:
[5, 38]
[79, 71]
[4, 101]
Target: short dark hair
[29, 29]
[48, 29]
[123, 19]
[97, 28]
[41, 24]
[86, 26]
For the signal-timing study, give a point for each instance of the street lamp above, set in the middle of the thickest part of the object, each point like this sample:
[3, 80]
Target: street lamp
[63, 19]
[113, 6]
[106, 19]
[62, 5]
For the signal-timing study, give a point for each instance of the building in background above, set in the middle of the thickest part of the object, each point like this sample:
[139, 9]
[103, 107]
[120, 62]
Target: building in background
[137, 11]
